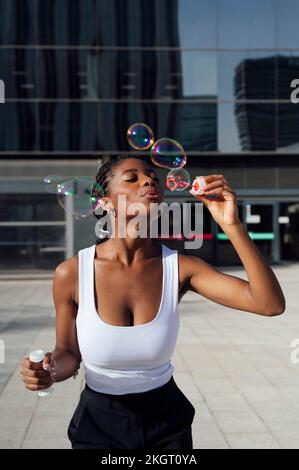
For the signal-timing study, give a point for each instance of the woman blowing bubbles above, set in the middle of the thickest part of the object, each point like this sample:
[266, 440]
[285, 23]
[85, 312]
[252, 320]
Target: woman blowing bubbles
[117, 309]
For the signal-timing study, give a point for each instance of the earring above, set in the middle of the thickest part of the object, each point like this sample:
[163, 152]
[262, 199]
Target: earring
[113, 211]
[100, 231]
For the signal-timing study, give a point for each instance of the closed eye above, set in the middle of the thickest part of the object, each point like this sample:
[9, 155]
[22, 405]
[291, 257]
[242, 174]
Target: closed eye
[135, 178]
[132, 179]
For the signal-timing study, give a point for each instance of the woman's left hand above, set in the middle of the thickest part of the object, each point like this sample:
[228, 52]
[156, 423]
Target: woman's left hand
[223, 207]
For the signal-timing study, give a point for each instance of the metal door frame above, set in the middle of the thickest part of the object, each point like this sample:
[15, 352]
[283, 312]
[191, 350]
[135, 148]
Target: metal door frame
[275, 245]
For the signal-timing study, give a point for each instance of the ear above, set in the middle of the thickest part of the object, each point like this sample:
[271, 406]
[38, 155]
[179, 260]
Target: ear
[103, 203]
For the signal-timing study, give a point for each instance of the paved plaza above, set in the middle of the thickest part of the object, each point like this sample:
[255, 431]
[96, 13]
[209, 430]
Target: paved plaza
[235, 367]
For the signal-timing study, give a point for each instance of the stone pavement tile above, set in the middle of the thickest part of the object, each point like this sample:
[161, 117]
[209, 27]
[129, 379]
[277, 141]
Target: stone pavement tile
[207, 434]
[183, 378]
[209, 371]
[240, 375]
[246, 382]
[202, 412]
[192, 393]
[188, 340]
[201, 363]
[49, 443]
[289, 443]
[47, 427]
[286, 433]
[18, 398]
[178, 363]
[213, 341]
[56, 406]
[290, 393]
[256, 393]
[198, 350]
[15, 380]
[206, 385]
[223, 401]
[279, 413]
[265, 408]
[188, 387]
[234, 361]
[261, 358]
[281, 377]
[13, 425]
[11, 440]
[239, 422]
[219, 351]
[252, 441]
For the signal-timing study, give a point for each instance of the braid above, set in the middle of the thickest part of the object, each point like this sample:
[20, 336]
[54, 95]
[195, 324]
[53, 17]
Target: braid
[101, 181]
[100, 185]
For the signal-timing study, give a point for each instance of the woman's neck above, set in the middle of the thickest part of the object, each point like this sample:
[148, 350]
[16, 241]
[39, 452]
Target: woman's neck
[129, 250]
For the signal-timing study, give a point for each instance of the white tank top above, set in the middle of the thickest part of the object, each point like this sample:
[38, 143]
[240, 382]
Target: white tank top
[127, 359]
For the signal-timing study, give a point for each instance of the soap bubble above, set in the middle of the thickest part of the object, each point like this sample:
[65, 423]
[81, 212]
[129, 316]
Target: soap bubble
[171, 183]
[51, 183]
[140, 136]
[76, 195]
[168, 153]
[178, 180]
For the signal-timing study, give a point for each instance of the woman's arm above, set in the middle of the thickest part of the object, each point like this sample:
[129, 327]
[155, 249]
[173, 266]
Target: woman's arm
[64, 361]
[262, 293]
[66, 353]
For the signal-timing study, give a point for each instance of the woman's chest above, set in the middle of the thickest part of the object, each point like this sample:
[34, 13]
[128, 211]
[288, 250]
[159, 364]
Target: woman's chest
[127, 296]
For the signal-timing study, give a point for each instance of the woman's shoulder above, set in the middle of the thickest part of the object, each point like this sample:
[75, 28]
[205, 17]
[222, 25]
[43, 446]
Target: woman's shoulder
[190, 264]
[67, 269]
[188, 260]
[65, 280]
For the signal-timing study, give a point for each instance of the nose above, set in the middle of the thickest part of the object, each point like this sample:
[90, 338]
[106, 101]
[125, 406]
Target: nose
[149, 181]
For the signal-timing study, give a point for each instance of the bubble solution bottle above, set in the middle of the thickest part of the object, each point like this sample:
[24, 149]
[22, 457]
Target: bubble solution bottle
[198, 185]
[38, 356]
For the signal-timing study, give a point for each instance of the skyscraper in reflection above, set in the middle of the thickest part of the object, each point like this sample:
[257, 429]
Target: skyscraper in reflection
[262, 123]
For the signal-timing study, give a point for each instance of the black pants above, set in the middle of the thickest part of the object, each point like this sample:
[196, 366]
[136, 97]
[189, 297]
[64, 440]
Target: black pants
[158, 419]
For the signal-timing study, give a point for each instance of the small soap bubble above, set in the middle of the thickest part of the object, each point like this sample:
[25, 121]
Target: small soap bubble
[52, 182]
[140, 136]
[171, 183]
[168, 153]
[178, 180]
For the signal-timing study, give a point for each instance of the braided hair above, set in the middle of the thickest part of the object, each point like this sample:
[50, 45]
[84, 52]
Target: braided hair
[101, 181]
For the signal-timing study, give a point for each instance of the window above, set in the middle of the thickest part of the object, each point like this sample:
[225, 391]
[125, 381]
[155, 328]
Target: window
[247, 25]
[18, 123]
[18, 70]
[197, 23]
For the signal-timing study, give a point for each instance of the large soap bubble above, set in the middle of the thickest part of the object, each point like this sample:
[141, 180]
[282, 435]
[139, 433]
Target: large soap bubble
[51, 183]
[168, 153]
[76, 195]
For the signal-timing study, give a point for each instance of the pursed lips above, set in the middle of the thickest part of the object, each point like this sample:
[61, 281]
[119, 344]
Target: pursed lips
[151, 194]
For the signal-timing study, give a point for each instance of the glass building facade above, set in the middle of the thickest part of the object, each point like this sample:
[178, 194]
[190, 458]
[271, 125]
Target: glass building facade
[214, 75]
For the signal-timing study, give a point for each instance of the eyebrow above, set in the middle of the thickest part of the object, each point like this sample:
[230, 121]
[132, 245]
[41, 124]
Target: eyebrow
[149, 169]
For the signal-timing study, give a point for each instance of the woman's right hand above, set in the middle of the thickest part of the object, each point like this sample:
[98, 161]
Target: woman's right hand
[38, 375]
